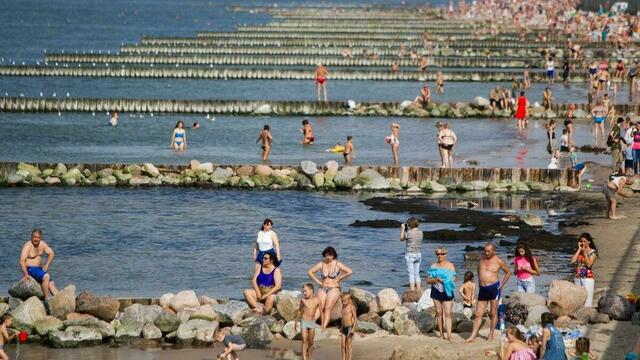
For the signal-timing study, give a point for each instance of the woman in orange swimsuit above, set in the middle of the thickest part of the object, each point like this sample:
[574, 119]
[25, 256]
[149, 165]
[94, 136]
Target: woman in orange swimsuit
[321, 80]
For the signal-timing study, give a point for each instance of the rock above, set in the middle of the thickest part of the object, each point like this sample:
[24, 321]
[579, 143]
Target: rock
[584, 314]
[303, 182]
[205, 300]
[127, 329]
[308, 167]
[63, 302]
[480, 102]
[533, 318]
[475, 185]
[425, 301]
[387, 299]
[600, 318]
[108, 180]
[370, 317]
[411, 296]
[184, 299]
[204, 312]
[245, 170]
[52, 180]
[263, 109]
[287, 303]
[290, 332]
[4, 308]
[616, 306]
[194, 165]
[140, 313]
[150, 170]
[332, 165]
[32, 170]
[516, 314]
[59, 170]
[398, 311]
[531, 219]
[48, 324]
[386, 321]
[405, 326]
[372, 180]
[102, 307]
[432, 186]
[231, 312]
[526, 299]
[258, 335]
[151, 332]
[75, 336]
[15, 179]
[139, 180]
[201, 330]
[366, 327]
[167, 322]
[565, 298]
[165, 300]
[103, 327]
[318, 179]
[75, 316]
[221, 176]
[414, 189]
[24, 289]
[263, 170]
[29, 312]
[363, 300]
[519, 186]
[345, 176]
[425, 321]
[537, 111]
[277, 326]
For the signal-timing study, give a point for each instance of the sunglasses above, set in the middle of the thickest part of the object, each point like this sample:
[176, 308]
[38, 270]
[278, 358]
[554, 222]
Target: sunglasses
[266, 258]
[441, 254]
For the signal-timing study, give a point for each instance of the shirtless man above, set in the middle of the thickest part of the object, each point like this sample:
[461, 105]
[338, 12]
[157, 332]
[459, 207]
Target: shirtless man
[305, 319]
[321, 80]
[490, 288]
[265, 137]
[349, 151]
[31, 263]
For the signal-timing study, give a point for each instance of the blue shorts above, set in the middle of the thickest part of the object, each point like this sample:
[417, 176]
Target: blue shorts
[598, 120]
[438, 295]
[550, 74]
[579, 166]
[36, 272]
[489, 292]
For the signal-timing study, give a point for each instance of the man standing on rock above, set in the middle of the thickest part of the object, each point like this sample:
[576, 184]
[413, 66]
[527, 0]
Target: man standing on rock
[31, 263]
[490, 288]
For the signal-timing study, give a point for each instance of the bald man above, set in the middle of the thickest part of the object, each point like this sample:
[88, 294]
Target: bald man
[490, 288]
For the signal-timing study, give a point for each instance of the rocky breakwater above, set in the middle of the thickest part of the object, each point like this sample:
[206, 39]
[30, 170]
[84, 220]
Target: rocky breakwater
[306, 176]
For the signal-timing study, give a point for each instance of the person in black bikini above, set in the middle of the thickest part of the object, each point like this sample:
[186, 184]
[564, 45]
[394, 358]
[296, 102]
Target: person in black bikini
[332, 273]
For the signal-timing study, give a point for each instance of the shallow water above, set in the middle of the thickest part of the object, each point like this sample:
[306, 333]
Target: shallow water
[145, 242]
[83, 138]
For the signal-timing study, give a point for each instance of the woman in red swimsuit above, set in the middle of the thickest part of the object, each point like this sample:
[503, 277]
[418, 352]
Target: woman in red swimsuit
[521, 110]
[321, 81]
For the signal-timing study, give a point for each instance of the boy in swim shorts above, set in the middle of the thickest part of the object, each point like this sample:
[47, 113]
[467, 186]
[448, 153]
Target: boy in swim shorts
[5, 322]
[305, 319]
[349, 322]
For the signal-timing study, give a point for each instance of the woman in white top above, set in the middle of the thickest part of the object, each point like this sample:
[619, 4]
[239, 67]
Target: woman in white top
[394, 141]
[447, 139]
[267, 242]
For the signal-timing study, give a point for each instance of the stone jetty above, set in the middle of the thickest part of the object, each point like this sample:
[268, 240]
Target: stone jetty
[305, 176]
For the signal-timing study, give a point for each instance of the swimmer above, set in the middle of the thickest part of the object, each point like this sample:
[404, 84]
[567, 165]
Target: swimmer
[599, 114]
[321, 81]
[114, 119]
[196, 125]
[179, 137]
[440, 83]
[349, 152]
[267, 139]
[307, 133]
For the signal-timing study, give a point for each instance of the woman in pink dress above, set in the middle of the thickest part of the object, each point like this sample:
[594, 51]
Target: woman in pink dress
[521, 110]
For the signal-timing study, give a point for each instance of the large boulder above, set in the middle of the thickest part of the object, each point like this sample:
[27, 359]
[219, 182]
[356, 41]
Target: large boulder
[527, 299]
[63, 303]
[403, 325]
[151, 332]
[231, 312]
[372, 180]
[474, 185]
[480, 102]
[103, 307]
[534, 314]
[387, 300]
[29, 312]
[24, 289]
[531, 219]
[370, 317]
[263, 170]
[424, 320]
[365, 327]
[103, 327]
[386, 321]
[199, 330]
[204, 312]
[48, 324]
[565, 298]
[184, 299]
[410, 296]
[258, 335]
[165, 300]
[616, 306]
[140, 313]
[432, 186]
[32, 170]
[287, 303]
[4, 308]
[344, 177]
[584, 314]
[290, 332]
[150, 170]
[167, 322]
[75, 336]
[245, 170]
[309, 168]
[220, 176]
[363, 300]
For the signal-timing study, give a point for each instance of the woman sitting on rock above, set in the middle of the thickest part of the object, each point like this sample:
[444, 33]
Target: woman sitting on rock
[267, 281]
[332, 272]
[267, 243]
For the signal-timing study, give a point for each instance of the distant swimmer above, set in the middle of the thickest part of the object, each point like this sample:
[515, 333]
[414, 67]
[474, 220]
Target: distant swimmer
[196, 125]
[349, 152]
[440, 83]
[265, 137]
[307, 133]
[321, 80]
[337, 148]
[179, 137]
[114, 119]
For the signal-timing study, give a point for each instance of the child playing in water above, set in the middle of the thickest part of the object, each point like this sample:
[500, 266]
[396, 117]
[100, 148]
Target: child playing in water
[581, 350]
[305, 319]
[349, 322]
[5, 322]
[349, 152]
[580, 167]
[232, 344]
[468, 290]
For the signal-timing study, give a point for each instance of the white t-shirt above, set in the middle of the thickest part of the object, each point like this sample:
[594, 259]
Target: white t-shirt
[550, 65]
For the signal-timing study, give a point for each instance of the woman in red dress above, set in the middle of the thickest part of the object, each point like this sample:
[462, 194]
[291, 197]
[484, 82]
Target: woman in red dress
[521, 110]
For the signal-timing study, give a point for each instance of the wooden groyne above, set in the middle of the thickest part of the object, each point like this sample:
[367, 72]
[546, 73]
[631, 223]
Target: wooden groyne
[307, 175]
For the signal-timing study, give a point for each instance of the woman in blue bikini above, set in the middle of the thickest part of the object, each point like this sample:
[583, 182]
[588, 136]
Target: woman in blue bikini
[332, 272]
[179, 137]
[599, 114]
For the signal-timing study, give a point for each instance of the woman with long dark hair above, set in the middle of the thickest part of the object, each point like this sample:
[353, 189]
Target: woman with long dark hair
[332, 272]
[526, 266]
[584, 258]
[267, 243]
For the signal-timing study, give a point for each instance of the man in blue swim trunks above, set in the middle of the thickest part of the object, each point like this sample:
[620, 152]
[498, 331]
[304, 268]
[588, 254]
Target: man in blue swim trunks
[490, 288]
[31, 263]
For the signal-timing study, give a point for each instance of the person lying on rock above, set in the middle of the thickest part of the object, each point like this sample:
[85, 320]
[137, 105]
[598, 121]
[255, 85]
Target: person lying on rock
[31, 263]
